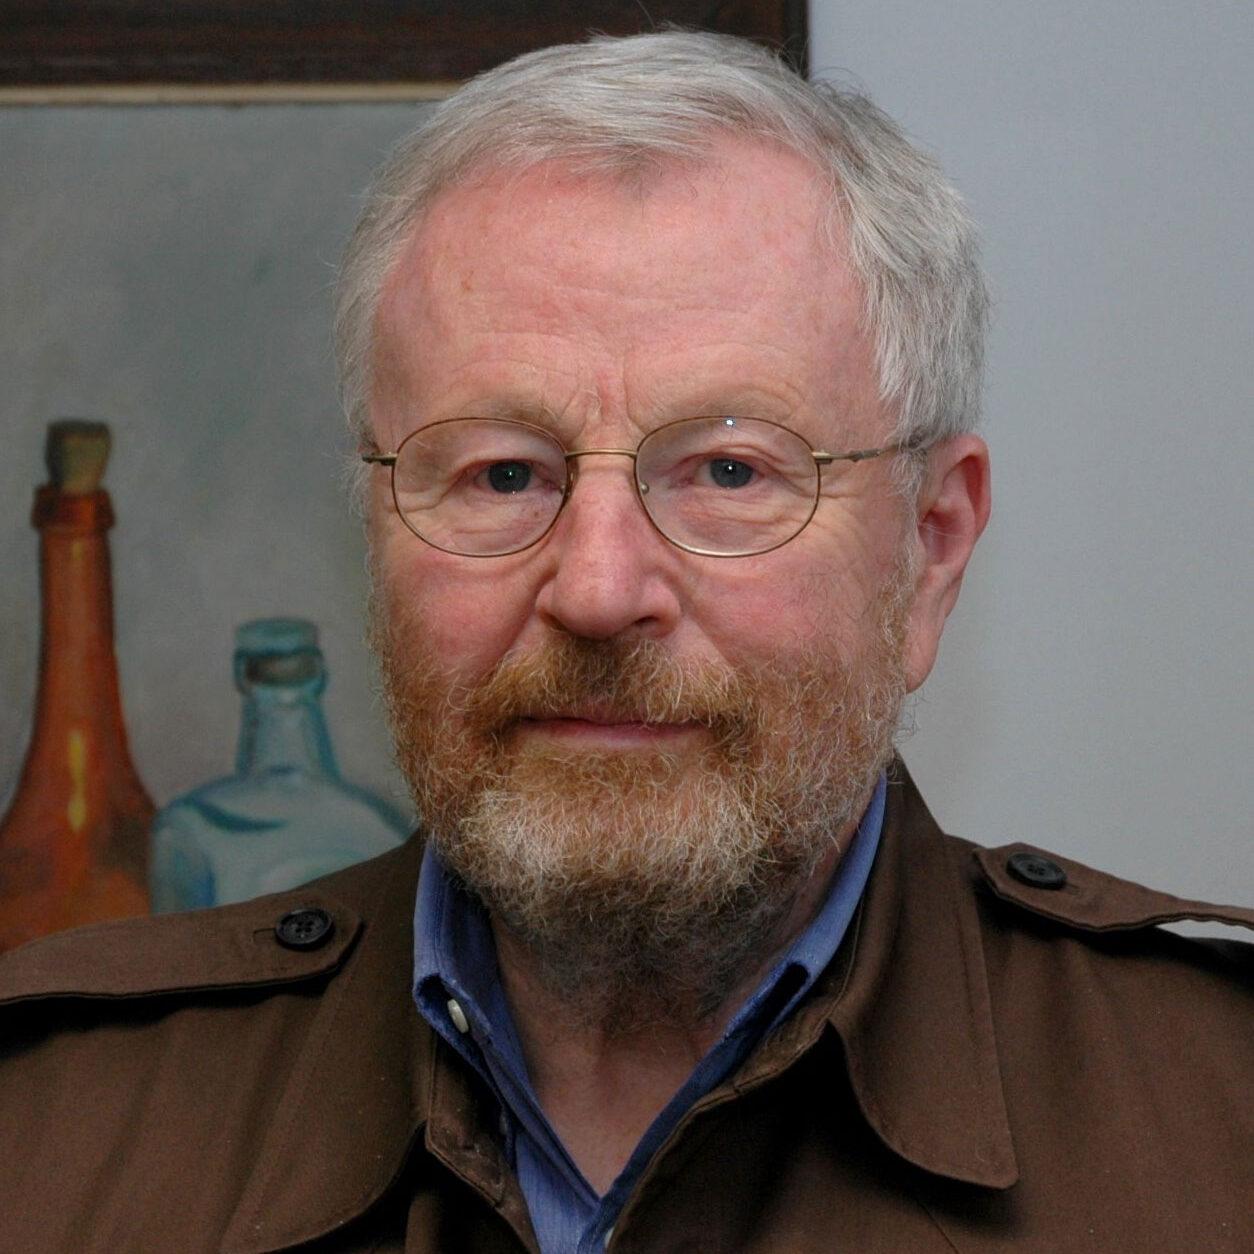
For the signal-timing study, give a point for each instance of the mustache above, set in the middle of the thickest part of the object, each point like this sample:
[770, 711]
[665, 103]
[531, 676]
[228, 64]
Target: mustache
[611, 680]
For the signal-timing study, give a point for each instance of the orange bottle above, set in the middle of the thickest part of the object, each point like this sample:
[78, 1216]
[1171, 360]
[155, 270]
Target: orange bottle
[74, 843]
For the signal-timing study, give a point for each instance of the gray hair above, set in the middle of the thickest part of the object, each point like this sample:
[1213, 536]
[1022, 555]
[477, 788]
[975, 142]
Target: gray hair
[624, 105]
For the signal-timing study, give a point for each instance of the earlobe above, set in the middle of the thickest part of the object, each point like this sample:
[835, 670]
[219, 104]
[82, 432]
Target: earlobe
[951, 512]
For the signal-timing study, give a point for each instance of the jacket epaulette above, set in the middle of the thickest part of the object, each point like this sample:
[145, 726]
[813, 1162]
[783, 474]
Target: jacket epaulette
[272, 940]
[1076, 896]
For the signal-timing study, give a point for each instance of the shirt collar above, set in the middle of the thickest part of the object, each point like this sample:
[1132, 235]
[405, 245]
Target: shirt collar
[455, 958]
[812, 951]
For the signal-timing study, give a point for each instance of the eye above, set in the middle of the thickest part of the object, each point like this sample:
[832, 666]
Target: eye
[728, 472]
[509, 476]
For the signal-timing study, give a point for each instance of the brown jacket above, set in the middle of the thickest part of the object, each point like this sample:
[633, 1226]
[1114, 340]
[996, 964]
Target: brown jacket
[989, 1064]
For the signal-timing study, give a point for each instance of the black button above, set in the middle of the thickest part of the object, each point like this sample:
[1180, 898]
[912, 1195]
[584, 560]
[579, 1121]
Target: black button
[306, 928]
[1036, 869]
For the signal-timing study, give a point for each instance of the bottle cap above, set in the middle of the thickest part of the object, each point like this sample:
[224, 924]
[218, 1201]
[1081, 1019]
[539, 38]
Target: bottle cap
[282, 651]
[76, 453]
[276, 635]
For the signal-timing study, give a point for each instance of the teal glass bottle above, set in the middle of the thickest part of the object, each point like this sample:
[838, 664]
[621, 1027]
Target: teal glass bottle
[286, 816]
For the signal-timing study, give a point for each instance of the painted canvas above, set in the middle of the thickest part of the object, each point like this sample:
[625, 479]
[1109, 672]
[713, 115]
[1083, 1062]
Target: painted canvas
[168, 270]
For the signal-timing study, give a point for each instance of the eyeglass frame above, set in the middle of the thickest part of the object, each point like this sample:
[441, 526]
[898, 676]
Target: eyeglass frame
[821, 459]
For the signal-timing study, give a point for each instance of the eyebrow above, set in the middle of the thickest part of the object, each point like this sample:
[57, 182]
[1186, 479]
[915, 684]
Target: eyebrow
[526, 411]
[747, 401]
[741, 398]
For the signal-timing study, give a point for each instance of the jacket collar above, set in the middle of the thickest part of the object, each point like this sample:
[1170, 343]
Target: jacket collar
[358, 1095]
[913, 1010]
[907, 995]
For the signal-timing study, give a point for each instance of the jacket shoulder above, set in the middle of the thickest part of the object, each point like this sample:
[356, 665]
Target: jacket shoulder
[1078, 898]
[256, 1063]
[276, 940]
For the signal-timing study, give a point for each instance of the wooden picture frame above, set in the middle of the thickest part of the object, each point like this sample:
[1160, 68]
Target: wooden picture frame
[219, 51]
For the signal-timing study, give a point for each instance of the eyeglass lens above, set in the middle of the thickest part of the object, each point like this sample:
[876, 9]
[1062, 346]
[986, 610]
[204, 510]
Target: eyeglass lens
[724, 486]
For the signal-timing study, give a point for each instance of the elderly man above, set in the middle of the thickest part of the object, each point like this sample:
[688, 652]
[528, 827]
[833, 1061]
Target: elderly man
[664, 365]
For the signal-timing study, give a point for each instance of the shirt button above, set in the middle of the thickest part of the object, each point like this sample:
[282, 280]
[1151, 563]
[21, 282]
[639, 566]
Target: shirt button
[306, 928]
[1036, 870]
[458, 1015]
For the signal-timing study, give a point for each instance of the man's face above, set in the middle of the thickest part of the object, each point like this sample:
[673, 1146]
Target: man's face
[550, 684]
[603, 311]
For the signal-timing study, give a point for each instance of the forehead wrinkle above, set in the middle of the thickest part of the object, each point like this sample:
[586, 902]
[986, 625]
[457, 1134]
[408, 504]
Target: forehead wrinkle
[566, 317]
[598, 206]
[739, 377]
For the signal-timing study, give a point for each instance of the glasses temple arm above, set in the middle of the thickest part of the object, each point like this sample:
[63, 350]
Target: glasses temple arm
[865, 454]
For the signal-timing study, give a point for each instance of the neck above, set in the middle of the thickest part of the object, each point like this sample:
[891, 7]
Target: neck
[283, 729]
[78, 678]
[600, 1085]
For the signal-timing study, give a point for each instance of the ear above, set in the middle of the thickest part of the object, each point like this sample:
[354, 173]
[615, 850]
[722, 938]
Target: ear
[950, 514]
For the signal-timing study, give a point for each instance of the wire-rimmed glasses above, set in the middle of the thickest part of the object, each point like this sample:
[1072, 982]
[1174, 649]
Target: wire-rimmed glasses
[718, 486]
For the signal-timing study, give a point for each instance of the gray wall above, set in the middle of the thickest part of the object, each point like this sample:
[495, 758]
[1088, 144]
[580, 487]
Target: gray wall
[1094, 690]
[167, 269]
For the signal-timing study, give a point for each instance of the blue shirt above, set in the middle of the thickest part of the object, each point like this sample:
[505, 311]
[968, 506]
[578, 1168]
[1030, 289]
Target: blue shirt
[458, 990]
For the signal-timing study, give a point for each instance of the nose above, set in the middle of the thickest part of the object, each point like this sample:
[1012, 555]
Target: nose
[610, 573]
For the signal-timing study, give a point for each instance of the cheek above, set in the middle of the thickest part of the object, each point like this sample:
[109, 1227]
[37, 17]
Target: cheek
[787, 607]
[454, 607]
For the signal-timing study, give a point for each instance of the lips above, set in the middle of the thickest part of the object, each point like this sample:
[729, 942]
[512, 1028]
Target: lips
[604, 718]
[617, 727]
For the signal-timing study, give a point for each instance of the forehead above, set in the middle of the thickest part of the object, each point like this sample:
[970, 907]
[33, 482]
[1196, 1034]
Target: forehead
[552, 287]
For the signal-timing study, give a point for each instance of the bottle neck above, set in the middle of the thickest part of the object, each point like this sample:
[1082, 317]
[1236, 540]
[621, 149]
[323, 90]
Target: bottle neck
[283, 729]
[80, 813]
[78, 674]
